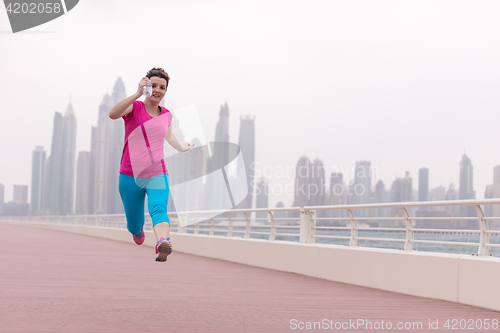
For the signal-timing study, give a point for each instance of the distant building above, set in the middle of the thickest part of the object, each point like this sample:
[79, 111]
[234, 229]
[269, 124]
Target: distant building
[466, 188]
[246, 142]
[37, 177]
[423, 184]
[381, 197]
[19, 205]
[302, 181]
[362, 185]
[452, 194]
[401, 191]
[280, 214]
[68, 162]
[337, 193]
[262, 197]
[55, 165]
[20, 194]
[489, 193]
[437, 193]
[106, 149]
[317, 184]
[61, 167]
[216, 194]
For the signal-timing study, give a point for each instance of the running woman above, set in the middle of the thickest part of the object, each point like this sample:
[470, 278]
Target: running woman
[142, 168]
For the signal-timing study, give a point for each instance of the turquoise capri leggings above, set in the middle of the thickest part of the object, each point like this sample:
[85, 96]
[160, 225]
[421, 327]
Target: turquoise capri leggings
[133, 191]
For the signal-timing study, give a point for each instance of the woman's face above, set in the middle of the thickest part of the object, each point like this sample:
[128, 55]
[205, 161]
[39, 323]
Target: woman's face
[159, 86]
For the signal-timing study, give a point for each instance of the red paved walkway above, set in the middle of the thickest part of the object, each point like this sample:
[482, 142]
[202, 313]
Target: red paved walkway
[52, 281]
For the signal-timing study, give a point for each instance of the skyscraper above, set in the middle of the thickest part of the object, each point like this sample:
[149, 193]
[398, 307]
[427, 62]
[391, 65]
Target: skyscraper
[20, 194]
[68, 162]
[302, 172]
[423, 184]
[317, 184]
[53, 204]
[451, 194]
[82, 183]
[19, 205]
[106, 149]
[401, 191]
[362, 185]
[489, 193]
[61, 167]
[220, 155]
[117, 142]
[37, 175]
[337, 193]
[381, 197]
[466, 188]
[246, 142]
[262, 197]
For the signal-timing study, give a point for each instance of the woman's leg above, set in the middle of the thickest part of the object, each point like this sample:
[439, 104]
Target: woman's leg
[133, 203]
[158, 191]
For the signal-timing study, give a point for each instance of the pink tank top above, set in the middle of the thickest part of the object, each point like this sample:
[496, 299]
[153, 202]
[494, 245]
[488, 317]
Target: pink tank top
[142, 154]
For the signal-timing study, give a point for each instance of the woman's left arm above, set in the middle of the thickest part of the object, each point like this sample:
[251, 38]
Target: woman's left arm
[172, 140]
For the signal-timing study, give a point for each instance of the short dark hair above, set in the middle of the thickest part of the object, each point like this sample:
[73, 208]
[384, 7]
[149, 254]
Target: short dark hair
[159, 72]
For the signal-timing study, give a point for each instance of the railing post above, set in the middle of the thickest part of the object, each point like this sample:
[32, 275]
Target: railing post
[354, 229]
[182, 223]
[409, 230]
[248, 228]
[484, 237]
[197, 227]
[272, 235]
[307, 225]
[229, 225]
[212, 227]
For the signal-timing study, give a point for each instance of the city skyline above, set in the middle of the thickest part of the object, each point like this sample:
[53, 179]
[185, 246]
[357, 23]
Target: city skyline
[362, 171]
[362, 168]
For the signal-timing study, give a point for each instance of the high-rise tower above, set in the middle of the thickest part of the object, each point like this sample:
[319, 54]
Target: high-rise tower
[302, 172]
[37, 173]
[106, 149]
[68, 161]
[246, 142]
[61, 166]
[466, 188]
[262, 197]
[317, 184]
[423, 184]
[216, 193]
[55, 167]
[362, 185]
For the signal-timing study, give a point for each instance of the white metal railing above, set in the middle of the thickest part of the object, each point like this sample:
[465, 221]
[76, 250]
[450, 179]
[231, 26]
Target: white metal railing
[303, 223]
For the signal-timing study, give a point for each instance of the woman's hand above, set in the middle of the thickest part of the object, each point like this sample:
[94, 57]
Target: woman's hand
[144, 82]
[186, 146]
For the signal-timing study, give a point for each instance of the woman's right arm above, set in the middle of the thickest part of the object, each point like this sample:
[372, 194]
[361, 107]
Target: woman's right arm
[125, 107]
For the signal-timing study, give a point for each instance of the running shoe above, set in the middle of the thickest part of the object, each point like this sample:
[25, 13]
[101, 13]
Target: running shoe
[139, 238]
[163, 249]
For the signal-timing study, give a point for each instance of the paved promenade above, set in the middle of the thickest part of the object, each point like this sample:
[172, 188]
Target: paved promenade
[52, 281]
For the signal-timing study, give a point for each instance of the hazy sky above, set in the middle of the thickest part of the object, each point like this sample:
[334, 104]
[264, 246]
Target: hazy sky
[403, 84]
